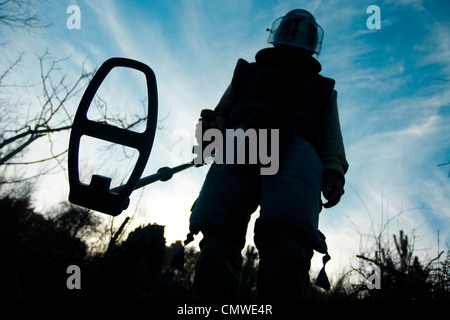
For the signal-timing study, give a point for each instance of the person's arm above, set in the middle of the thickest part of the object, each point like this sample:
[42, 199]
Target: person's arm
[333, 156]
[332, 146]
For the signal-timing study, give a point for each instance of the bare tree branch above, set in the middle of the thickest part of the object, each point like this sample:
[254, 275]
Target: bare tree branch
[20, 14]
[51, 115]
[36, 161]
[11, 67]
[19, 149]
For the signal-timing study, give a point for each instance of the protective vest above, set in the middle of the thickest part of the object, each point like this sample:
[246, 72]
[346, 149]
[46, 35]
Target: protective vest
[279, 98]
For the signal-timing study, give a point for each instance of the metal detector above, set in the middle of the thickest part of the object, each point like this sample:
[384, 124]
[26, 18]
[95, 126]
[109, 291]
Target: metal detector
[98, 195]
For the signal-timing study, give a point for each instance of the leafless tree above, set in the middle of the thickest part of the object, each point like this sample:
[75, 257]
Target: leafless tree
[22, 124]
[20, 14]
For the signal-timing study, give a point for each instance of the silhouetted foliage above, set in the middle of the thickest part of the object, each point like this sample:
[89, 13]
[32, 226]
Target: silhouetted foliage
[128, 270]
[36, 251]
[76, 221]
[403, 275]
[35, 254]
[249, 273]
[173, 283]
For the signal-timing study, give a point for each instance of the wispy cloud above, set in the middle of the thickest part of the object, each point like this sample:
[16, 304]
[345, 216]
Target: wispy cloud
[394, 112]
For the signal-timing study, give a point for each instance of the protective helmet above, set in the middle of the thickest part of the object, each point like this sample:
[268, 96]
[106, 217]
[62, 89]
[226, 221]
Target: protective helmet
[297, 28]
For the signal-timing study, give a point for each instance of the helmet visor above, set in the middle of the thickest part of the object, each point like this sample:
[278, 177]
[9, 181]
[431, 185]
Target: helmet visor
[297, 31]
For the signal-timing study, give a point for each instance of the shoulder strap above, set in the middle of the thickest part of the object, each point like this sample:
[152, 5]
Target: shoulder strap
[244, 74]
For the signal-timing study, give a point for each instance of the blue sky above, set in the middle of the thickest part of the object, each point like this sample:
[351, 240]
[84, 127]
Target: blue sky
[393, 96]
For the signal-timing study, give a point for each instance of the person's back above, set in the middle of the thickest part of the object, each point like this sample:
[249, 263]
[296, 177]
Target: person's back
[281, 92]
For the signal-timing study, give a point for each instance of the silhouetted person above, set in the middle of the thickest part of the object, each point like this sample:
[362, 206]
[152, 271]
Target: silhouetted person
[281, 90]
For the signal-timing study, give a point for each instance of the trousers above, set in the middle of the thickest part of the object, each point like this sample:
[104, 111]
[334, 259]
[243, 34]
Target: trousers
[283, 271]
[285, 235]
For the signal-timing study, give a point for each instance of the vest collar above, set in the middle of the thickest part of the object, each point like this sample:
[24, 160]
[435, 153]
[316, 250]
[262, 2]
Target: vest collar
[291, 58]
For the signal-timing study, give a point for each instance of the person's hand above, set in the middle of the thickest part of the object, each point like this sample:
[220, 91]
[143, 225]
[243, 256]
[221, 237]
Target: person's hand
[207, 121]
[200, 129]
[332, 188]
